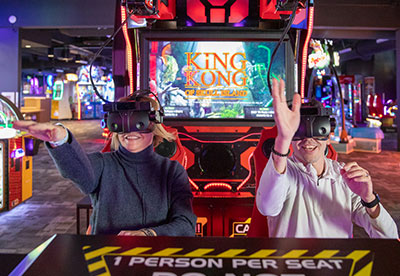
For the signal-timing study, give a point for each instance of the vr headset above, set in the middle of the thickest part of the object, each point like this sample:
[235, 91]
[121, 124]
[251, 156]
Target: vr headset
[315, 122]
[132, 116]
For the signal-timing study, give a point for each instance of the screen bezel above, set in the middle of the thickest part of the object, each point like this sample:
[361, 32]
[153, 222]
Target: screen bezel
[146, 36]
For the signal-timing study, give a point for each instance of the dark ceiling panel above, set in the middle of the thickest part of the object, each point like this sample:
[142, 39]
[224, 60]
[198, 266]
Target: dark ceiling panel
[79, 27]
[58, 13]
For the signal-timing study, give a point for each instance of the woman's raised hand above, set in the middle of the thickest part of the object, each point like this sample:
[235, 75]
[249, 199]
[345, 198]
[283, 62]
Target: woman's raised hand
[43, 131]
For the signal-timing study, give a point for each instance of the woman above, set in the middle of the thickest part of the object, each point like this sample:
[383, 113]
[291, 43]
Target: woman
[134, 191]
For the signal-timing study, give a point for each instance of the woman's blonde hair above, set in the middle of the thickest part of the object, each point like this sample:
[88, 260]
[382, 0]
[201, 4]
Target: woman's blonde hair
[158, 130]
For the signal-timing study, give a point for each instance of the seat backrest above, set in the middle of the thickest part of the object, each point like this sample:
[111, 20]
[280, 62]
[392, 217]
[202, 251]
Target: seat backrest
[107, 145]
[175, 150]
[259, 225]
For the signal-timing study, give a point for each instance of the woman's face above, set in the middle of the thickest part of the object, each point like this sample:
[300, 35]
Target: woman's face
[136, 141]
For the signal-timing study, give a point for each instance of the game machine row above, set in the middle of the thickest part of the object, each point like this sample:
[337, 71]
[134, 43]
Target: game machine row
[86, 104]
[381, 112]
[16, 152]
[352, 99]
[211, 67]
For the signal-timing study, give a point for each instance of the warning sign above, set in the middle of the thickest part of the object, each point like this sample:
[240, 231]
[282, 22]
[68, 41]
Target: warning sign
[231, 262]
[174, 266]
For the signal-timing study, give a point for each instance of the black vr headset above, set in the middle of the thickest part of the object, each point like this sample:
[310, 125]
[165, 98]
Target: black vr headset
[132, 116]
[315, 122]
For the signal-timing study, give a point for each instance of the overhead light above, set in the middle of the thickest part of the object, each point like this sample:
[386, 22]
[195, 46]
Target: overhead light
[65, 55]
[59, 70]
[81, 61]
[50, 53]
[12, 19]
[381, 40]
[28, 46]
[336, 59]
[346, 50]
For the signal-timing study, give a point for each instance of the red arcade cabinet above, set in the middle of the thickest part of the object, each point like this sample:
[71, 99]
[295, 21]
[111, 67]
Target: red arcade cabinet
[209, 67]
[15, 159]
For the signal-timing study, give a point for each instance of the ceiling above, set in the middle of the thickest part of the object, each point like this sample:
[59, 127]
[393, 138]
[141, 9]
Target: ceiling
[353, 24]
[48, 50]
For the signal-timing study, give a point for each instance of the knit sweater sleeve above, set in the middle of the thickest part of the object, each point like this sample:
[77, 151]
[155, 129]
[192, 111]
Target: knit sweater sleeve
[181, 219]
[73, 163]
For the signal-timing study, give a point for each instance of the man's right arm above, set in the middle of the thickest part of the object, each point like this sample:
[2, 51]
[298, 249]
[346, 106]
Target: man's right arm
[273, 186]
[281, 147]
[272, 189]
[287, 121]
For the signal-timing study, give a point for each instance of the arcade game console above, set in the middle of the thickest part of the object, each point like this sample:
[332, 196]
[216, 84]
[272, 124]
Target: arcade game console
[210, 66]
[15, 159]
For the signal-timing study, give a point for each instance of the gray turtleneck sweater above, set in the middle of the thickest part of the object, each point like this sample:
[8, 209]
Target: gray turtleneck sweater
[130, 191]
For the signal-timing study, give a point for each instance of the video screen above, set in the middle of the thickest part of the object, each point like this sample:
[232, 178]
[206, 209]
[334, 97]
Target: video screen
[215, 79]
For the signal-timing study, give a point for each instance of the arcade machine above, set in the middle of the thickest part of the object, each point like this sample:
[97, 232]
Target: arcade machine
[389, 116]
[89, 105]
[219, 104]
[338, 93]
[351, 87]
[35, 97]
[214, 86]
[60, 102]
[15, 159]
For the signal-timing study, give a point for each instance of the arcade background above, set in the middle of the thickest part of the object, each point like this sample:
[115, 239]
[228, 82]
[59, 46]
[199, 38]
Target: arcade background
[52, 208]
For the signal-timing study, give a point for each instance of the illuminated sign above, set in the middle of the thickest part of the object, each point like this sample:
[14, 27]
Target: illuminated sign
[17, 153]
[50, 81]
[215, 11]
[2, 182]
[71, 77]
[58, 90]
[6, 130]
[219, 71]
[319, 58]
[201, 226]
[240, 228]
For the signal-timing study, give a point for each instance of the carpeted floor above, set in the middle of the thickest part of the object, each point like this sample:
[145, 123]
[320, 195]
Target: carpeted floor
[52, 208]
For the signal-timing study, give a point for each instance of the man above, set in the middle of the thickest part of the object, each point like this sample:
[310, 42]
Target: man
[310, 196]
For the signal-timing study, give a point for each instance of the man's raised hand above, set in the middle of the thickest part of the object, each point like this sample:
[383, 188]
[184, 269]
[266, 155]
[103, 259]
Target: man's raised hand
[287, 120]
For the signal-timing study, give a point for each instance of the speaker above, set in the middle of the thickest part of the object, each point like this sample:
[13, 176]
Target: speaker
[217, 161]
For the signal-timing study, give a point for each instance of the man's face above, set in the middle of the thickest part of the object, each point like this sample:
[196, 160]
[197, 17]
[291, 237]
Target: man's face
[135, 141]
[309, 150]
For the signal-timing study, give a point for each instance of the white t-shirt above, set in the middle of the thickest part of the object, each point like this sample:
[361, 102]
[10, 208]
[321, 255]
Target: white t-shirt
[300, 205]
